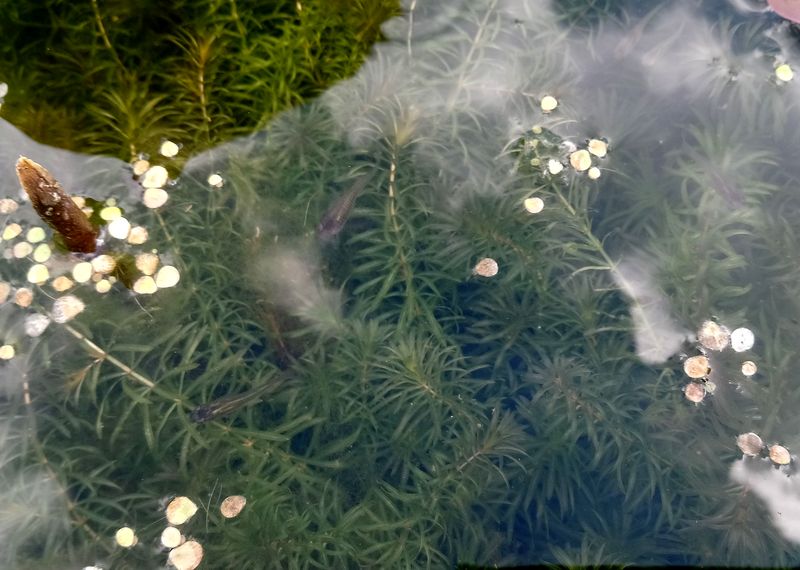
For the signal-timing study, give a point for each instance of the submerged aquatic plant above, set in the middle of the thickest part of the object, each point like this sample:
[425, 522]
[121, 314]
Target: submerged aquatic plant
[484, 366]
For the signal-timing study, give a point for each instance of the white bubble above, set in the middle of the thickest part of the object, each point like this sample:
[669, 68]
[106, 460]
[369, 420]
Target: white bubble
[215, 180]
[155, 197]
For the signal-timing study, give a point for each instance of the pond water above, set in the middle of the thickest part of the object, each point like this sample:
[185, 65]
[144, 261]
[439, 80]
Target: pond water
[515, 292]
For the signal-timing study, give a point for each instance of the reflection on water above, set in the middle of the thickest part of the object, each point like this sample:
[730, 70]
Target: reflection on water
[516, 347]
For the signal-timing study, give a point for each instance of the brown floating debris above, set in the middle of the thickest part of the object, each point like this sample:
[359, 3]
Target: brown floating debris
[713, 336]
[750, 444]
[56, 207]
[232, 506]
[696, 367]
[187, 556]
[779, 455]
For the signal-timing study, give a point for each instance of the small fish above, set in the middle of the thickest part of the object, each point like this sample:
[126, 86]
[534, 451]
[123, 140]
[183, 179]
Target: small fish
[228, 404]
[336, 215]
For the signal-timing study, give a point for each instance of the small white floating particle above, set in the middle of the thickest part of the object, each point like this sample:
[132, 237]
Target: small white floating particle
[549, 103]
[66, 308]
[110, 213]
[137, 235]
[82, 272]
[35, 235]
[594, 173]
[742, 339]
[169, 149]
[167, 276]
[8, 206]
[145, 285]
[171, 537]
[42, 253]
[554, 166]
[147, 263]
[38, 274]
[216, 180]
[534, 205]
[180, 510]
[7, 352]
[187, 556]
[23, 297]
[155, 177]
[125, 537]
[22, 249]
[11, 231]
[119, 228]
[784, 72]
[61, 283]
[140, 167]
[155, 197]
[486, 267]
[580, 160]
[103, 286]
[103, 264]
[749, 368]
[597, 147]
[36, 324]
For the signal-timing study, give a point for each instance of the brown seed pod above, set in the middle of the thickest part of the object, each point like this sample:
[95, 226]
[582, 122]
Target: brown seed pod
[779, 455]
[750, 444]
[696, 367]
[56, 207]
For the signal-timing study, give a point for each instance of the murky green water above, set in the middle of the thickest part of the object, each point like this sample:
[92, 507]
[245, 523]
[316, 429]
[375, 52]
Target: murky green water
[444, 313]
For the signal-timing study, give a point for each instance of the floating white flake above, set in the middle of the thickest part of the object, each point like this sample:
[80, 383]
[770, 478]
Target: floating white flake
[180, 510]
[119, 228]
[534, 205]
[594, 173]
[38, 274]
[35, 235]
[137, 235]
[549, 103]
[232, 506]
[215, 180]
[66, 308]
[110, 213]
[42, 253]
[140, 167]
[62, 283]
[103, 264]
[147, 263]
[171, 537]
[155, 177]
[8, 206]
[169, 149]
[7, 352]
[784, 72]
[125, 537]
[11, 231]
[580, 160]
[597, 147]
[145, 285]
[155, 197]
[36, 324]
[82, 272]
[742, 339]
[22, 249]
[187, 556]
[554, 166]
[167, 276]
[749, 368]
[23, 297]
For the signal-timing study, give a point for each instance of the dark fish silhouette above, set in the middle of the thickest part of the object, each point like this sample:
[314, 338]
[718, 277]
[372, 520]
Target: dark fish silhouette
[336, 215]
[228, 404]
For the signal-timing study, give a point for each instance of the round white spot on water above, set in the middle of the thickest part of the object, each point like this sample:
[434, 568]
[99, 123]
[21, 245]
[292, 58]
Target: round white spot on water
[119, 228]
[125, 537]
[42, 253]
[169, 149]
[549, 103]
[66, 308]
[38, 274]
[155, 197]
[35, 235]
[82, 272]
[155, 177]
[742, 339]
[784, 72]
[167, 276]
[580, 160]
[110, 213]
[534, 205]
[146, 285]
[554, 166]
[137, 235]
[7, 352]
[36, 324]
